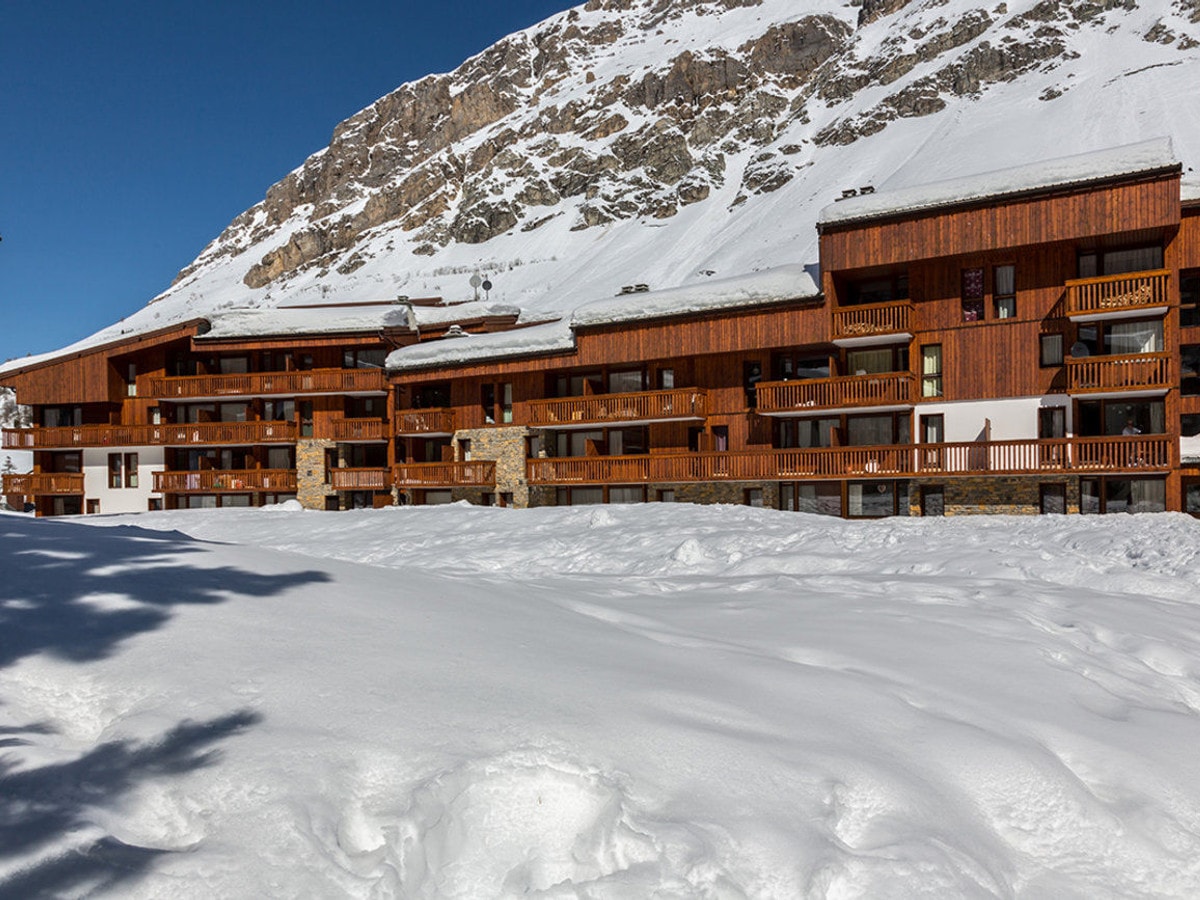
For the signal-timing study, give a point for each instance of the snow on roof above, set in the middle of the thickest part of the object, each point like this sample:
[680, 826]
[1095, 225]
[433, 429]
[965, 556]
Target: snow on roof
[1146, 156]
[1189, 189]
[549, 337]
[775, 285]
[428, 317]
[1189, 449]
[306, 320]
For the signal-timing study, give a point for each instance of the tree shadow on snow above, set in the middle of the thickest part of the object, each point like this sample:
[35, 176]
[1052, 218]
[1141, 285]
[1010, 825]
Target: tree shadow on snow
[77, 592]
[43, 808]
[66, 588]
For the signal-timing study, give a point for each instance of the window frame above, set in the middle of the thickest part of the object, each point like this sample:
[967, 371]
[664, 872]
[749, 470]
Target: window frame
[933, 378]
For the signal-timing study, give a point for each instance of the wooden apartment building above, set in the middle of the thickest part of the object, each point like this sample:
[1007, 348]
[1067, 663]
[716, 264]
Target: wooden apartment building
[1020, 342]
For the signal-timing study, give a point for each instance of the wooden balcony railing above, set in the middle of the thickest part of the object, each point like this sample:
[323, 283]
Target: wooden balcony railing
[1117, 293]
[446, 474]
[264, 384]
[872, 319]
[641, 406]
[1137, 371]
[353, 430]
[39, 483]
[149, 435]
[1028, 457]
[216, 480]
[361, 479]
[81, 436]
[800, 397]
[425, 421]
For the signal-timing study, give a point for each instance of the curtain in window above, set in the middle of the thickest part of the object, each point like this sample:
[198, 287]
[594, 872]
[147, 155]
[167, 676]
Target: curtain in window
[1135, 337]
[867, 362]
[1005, 280]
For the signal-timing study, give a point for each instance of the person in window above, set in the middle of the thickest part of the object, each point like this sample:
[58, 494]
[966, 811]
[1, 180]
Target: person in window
[1130, 428]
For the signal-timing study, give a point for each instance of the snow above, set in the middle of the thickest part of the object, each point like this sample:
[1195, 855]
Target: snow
[599, 702]
[1189, 448]
[1145, 156]
[1189, 189]
[335, 319]
[548, 337]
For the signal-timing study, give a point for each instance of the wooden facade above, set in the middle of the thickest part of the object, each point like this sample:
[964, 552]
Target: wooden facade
[1037, 343]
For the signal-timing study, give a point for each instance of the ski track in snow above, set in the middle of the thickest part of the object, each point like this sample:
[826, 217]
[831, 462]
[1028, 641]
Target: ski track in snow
[608, 702]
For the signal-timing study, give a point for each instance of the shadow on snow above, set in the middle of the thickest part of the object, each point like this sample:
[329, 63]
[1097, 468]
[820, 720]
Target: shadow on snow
[55, 581]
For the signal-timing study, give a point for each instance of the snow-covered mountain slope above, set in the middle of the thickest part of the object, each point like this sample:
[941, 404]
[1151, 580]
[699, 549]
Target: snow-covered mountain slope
[698, 703]
[671, 141]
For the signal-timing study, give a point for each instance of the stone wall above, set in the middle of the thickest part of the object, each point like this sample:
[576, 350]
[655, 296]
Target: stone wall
[993, 494]
[504, 444]
[311, 487]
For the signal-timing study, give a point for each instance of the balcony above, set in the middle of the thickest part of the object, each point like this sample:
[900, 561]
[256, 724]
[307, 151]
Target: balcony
[81, 436]
[213, 481]
[263, 384]
[1118, 296]
[1147, 373]
[41, 483]
[799, 398]
[149, 435]
[425, 422]
[238, 433]
[684, 404]
[873, 323]
[361, 479]
[1141, 453]
[446, 474]
[353, 430]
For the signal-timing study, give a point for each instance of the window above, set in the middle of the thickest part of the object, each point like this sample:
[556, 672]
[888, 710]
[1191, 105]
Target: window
[93, 507]
[1117, 495]
[122, 470]
[933, 429]
[627, 382]
[578, 384]
[626, 494]
[805, 432]
[1189, 370]
[279, 410]
[1052, 422]
[877, 360]
[1189, 425]
[869, 431]
[1052, 499]
[666, 379]
[874, 499]
[666, 495]
[1004, 291]
[1191, 498]
[883, 289]
[972, 295]
[931, 370]
[464, 449]
[1189, 298]
[306, 418]
[753, 497]
[1114, 417]
[720, 438]
[364, 358]
[822, 499]
[131, 380]
[751, 376]
[496, 401]
[233, 365]
[791, 364]
[1093, 263]
[431, 396]
[1051, 350]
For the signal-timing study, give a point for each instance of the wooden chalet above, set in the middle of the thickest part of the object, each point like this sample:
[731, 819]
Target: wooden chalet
[1018, 342]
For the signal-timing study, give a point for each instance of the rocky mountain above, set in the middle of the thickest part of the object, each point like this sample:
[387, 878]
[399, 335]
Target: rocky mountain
[669, 141]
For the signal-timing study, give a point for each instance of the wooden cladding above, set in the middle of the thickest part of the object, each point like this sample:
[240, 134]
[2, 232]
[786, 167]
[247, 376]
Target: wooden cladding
[229, 480]
[425, 422]
[40, 483]
[445, 474]
[872, 319]
[641, 406]
[1138, 371]
[265, 384]
[1027, 457]
[1117, 293]
[1152, 203]
[801, 397]
[361, 479]
[342, 429]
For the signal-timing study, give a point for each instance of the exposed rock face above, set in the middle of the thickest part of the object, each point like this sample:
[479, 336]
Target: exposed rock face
[552, 124]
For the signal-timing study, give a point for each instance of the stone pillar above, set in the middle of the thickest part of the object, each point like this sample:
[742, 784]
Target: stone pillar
[311, 488]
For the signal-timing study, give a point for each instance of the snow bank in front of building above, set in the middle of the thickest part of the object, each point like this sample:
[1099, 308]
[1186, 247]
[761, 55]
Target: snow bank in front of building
[606, 702]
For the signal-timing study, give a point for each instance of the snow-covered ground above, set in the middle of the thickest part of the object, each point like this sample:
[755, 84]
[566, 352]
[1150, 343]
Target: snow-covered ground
[610, 702]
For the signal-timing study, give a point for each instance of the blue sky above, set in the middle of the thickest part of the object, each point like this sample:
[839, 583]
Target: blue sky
[134, 132]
